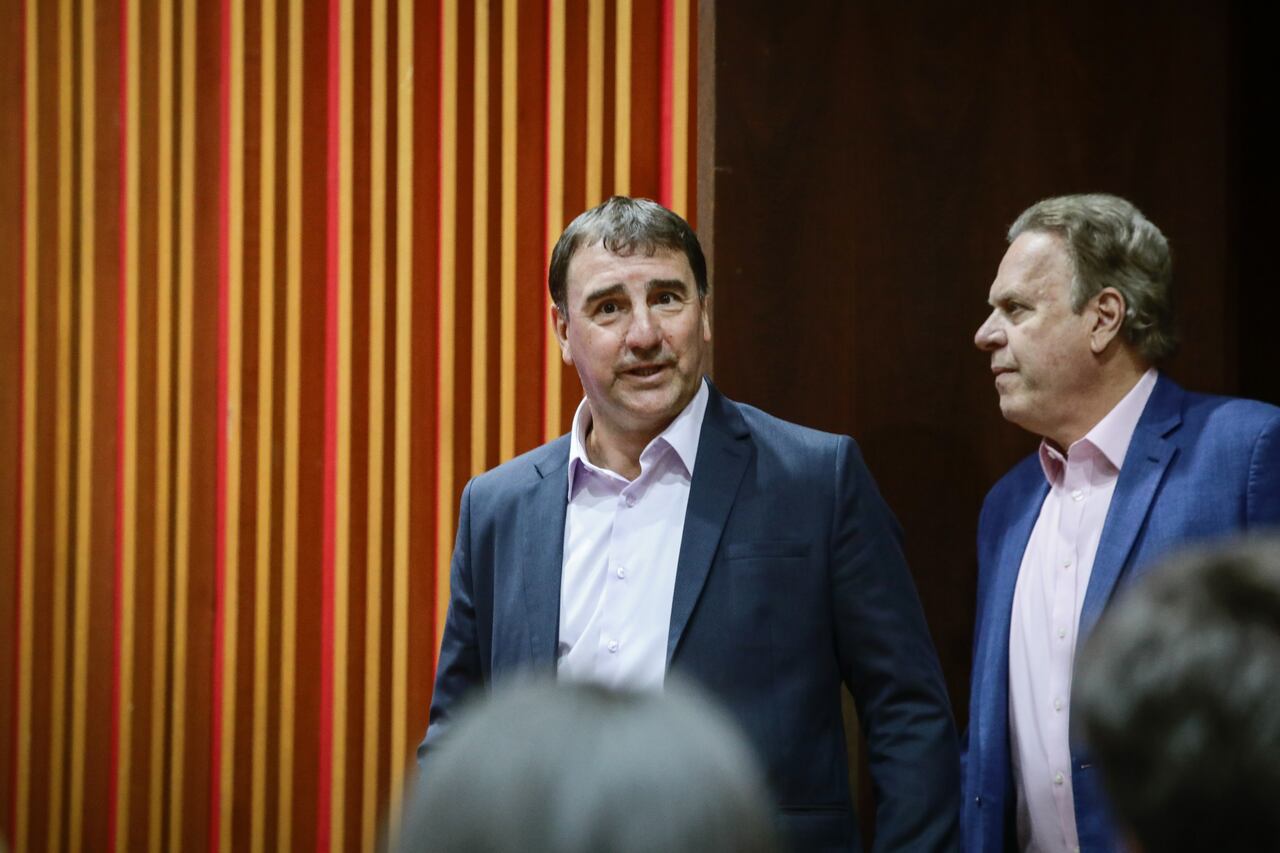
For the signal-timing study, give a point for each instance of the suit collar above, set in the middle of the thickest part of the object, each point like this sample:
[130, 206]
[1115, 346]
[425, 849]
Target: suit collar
[724, 449]
[1151, 450]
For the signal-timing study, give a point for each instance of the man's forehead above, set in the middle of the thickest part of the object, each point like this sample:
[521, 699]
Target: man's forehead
[1035, 263]
[662, 264]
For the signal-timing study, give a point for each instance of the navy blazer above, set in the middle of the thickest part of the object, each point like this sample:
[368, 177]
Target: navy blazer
[790, 580]
[1198, 468]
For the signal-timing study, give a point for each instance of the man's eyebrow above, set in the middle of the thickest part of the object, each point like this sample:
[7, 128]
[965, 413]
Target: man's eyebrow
[601, 293]
[667, 284]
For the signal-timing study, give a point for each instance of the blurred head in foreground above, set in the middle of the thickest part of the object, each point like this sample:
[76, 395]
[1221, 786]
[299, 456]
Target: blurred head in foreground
[578, 768]
[1177, 693]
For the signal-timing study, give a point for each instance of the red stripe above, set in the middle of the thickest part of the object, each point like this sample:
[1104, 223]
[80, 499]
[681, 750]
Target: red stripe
[325, 782]
[22, 439]
[668, 86]
[121, 424]
[220, 558]
[546, 217]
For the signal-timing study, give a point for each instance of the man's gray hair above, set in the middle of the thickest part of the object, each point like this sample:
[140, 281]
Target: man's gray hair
[1112, 244]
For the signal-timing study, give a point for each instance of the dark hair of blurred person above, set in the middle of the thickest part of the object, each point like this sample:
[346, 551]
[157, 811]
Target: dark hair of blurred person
[1178, 696]
[581, 768]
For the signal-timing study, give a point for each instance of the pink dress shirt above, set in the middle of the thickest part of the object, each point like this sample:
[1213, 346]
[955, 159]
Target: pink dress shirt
[1051, 587]
[621, 545]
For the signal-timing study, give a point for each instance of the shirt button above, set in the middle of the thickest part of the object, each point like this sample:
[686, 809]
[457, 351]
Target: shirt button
[622, 572]
[1062, 633]
[613, 648]
[1057, 704]
[1057, 778]
[1077, 495]
[1066, 564]
[630, 500]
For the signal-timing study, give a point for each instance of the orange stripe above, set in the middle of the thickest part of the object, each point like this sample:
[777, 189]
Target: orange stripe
[507, 338]
[480, 242]
[377, 402]
[555, 206]
[680, 110]
[342, 473]
[266, 379]
[404, 362]
[128, 448]
[595, 102]
[164, 338]
[622, 99]
[84, 450]
[292, 371]
[30, 327]
[182, 466]
[230, 585]
[448, 234]
[62, 433]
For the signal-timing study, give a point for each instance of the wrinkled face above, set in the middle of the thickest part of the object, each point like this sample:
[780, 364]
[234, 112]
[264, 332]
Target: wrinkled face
[1040, 351]
[637, 332]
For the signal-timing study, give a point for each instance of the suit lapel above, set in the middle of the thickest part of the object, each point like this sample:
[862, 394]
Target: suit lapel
[542, 551]
[723, 452]
[1150, 452]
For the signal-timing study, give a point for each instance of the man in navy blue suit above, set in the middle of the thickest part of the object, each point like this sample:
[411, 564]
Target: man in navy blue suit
[675, 532]
[1129, 467]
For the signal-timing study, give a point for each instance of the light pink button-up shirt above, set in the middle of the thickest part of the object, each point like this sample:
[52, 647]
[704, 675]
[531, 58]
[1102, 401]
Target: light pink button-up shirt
[621, 544]
[1046, 614]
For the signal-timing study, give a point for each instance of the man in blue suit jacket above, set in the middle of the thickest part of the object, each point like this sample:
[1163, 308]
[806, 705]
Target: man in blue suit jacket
[1130, 467]
[769, 577]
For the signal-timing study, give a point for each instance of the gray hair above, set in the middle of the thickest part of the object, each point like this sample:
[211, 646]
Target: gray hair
[1175, 694]
[624, 226]
[578, 768]
[1112, 244]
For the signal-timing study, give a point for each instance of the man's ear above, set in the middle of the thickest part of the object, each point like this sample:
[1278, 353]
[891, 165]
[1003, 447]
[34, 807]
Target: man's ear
[560, 326]
[706, 317]
[1109, 310]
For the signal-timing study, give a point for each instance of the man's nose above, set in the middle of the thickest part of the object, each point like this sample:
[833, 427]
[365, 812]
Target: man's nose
[989, 335]
[643, 333]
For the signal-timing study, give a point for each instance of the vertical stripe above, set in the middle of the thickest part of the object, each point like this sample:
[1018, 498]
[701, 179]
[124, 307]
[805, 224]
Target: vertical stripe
[292, 427]
[27, 438]
[448, 232]
[229, 438]
[507, 338]
[377, 403]
[595, 102]
[338, 436]
[622, 99]
[164, 340]
[182, 466]
[555, 202]
[126, 447]
[263, 459]
[679, 186]
[667, 82]
[480, 241]
[62, 434]
[84, 438]
[404, 363]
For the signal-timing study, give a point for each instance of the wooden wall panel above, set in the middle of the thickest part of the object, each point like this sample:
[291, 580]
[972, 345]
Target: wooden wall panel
[279, 292]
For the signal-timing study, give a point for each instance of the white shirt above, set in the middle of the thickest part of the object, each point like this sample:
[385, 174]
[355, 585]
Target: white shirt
[621, 545]
[1052, 581]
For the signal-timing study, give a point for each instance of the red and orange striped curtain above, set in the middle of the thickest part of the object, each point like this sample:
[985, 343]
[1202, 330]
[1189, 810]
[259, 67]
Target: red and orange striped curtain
[274, 289]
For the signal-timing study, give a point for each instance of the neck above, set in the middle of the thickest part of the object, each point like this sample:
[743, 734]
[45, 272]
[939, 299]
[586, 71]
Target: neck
[1121, 370]
[616, 452]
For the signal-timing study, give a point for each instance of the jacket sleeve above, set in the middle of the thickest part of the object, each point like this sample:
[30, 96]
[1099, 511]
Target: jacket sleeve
[891, 667]
[458, 670]
[1263, 490]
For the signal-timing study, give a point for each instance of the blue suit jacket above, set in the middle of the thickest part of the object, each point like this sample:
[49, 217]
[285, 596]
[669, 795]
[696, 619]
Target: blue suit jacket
[1197, 468]
[790, 580]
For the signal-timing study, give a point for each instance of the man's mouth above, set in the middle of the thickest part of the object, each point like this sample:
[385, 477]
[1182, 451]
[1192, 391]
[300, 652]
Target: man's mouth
[645, 370]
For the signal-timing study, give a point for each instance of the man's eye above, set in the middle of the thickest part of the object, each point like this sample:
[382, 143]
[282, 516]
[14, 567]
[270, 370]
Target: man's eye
[607, 308]
[666, 298]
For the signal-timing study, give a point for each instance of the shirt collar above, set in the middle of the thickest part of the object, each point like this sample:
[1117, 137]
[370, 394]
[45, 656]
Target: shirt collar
[681, 435]
[1111, 436]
